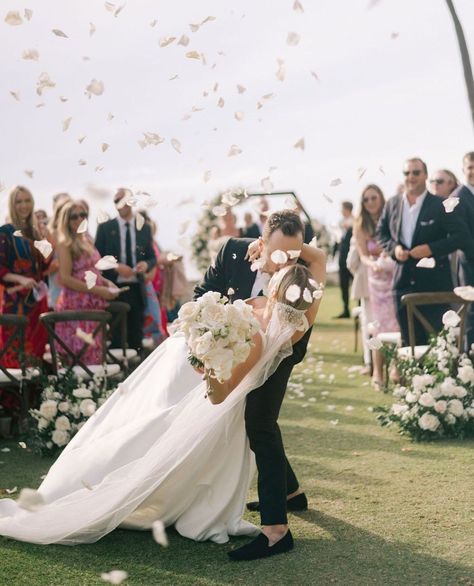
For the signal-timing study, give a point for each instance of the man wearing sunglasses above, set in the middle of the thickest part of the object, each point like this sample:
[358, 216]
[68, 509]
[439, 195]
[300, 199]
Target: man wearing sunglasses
[133, 249]
[443, 183]
[415, 225]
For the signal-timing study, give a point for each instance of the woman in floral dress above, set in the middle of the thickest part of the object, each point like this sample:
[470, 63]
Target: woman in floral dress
[77, 254]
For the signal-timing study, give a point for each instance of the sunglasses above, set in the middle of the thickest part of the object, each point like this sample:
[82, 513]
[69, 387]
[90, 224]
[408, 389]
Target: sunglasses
[437, 181]
[82, 215]
[367, 199]
[416, 173]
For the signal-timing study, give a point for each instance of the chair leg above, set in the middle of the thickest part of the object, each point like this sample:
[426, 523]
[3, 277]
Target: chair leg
[356, 333]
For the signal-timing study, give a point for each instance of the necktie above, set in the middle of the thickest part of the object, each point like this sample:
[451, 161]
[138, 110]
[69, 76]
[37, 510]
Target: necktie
[128, 245]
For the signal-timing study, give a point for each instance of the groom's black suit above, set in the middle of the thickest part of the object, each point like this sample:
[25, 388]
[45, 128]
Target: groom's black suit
[276, 478]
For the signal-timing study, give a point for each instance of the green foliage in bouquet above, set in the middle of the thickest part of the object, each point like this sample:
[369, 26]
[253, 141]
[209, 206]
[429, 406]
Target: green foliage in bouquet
[67, 402]
[435, 396]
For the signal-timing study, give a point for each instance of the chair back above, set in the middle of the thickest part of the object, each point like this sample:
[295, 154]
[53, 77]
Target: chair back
[413, 301]
[17, 325]
[118, 311]
[50, 319]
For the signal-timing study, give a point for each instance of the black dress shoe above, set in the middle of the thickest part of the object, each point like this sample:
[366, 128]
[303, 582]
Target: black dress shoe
[343, 315]
[296, 503]
[259, 548]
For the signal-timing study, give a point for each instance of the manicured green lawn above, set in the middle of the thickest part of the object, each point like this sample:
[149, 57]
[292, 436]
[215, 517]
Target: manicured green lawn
[382, 510]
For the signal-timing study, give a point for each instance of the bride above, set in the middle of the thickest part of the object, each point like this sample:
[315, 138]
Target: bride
[158, 449]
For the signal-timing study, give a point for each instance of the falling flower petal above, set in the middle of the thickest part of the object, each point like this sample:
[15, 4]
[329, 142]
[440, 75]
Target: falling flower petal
[381, 170]
[290, 203]
[18, 234]
[208, 19]
[219, 210]
[81, 139]
[293, 39]
[102, 217]
[90, 278]
[159, 533]
[234, 150]
[314, 242]
[176, 145]
[267, 184]
[256, 265]
[29, 173]
[30, 500]
[16, 95]
[11, 490]
[85, 484]
[207, 176]
[5, 450]
[28, 14]
[394, 36]
[230, 291]
[104, 146]
[361, 172]
[44, 81]
[165, 41]
[82, 162]
[426, 263]
[115, 576]
[66, 124]
[373, 327]
[466, 292]
[450, 203]
[59, 33]
[139, 221]
[297, 6]
[13, 18]
[315, 75]
[119, 10]
[299, 144]
[293, 293]
[153, 138]
[44, 247]
[106, 263]
[280, 74]
[30, 55]
[95, 88]
[241, 89]
[374, 344]
[307, 296]
[83, 226]
[239, 116]
[171, 256]
[335, 182]
[183, 41]
[221, 102]
[229, 199]
[193, 55]
[85, 337]
[194, 27]
[327, 198]
[295, 254]
[92, 28]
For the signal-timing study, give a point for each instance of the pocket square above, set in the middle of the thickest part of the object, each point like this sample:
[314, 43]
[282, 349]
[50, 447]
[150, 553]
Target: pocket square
[427, 222]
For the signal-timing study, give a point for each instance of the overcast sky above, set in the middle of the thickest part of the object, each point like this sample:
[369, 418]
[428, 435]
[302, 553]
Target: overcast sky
[389, 86]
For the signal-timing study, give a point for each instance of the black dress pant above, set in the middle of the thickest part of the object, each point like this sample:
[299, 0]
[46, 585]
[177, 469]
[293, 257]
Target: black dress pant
[135, 317]
[466, 274]
[345, 277]
[276, 478]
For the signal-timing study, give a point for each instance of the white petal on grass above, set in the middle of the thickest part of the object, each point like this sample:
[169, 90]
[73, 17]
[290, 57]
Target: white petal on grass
[299, 144]
[44, 247]
[13, 18]
[426, 263]
[294, 254]
[82, 229]
[307, 296]
[85, 337]
[176, 145]
[90, 278]
[139, 221]
[165, 41]
[159, 533]
[193, 55]
[466, 292]
[30, 55]
[292, 39]
[279, 257]
[115, 576]
[450, 203]
[5, 450]
[66, 124]
[234, 150]
[59, 33]
[106, 263]
[239, 115]
[293, 293]
[95, 88]
[30, 499]
[334, 421]
[241, 89]
[11, 490]
[297, 6]
[374, 344]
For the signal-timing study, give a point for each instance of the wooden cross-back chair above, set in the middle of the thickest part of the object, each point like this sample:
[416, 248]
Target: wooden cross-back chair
[74, 360]
[123, 355]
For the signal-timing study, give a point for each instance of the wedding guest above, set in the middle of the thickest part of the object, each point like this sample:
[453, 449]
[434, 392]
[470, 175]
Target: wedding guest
[42, 222]
[134, 251]
[228, 225]
[380, 268]
[443, 183]
[54, 286]
[77, 255]
[465, 193]
[413, 226]
[308, 228]
[22, 271]
[343, 245]
[251, 229]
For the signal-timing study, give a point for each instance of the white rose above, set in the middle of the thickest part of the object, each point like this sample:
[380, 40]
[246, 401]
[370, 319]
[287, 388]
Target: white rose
[209, 298]
[214, 315]
[75, 411]
[42, 423]
[63, 406]
[429, 422]
[466, 374]
[60, 438]
[451, 319]
[460, 392]
[455, 407]
[87, 407]
[400, 392]
[435, 392]
[420, 381]
[82, 393]
[440, 406]
[63, 423]
[426, 400]
[241, 352]
[448, 386]
[399, 409]
[203, 344]
[48, 409]
[411, 397]
[188, 311]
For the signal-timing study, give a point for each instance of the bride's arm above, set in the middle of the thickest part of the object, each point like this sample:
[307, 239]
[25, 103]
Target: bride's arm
[217, 392]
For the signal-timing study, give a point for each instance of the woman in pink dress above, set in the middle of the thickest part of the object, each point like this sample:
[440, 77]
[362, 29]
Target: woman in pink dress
[380, 271]
[77, 255]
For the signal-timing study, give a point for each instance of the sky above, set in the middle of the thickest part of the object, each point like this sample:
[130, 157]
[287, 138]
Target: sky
[366, 84]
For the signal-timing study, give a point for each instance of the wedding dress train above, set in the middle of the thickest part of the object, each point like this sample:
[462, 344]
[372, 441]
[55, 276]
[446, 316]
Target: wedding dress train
[156, 450]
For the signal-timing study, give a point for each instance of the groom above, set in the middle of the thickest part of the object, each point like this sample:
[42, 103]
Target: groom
[278, 488]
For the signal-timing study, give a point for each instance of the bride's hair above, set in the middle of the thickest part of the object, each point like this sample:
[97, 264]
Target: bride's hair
[294, 275]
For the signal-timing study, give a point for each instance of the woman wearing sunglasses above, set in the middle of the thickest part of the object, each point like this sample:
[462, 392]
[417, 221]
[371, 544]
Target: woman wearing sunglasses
[78, 255]
[380, 266]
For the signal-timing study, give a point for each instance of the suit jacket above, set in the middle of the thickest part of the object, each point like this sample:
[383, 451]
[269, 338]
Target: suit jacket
[344, 247]
[466, 211]
[232, 270]
[107, 241]
[443, 232]
[252, 231]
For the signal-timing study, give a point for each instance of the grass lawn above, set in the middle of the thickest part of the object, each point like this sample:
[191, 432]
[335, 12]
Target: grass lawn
[382, 509]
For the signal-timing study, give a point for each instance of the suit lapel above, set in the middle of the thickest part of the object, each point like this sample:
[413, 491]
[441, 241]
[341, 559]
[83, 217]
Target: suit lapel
[399, 215]
[422, 216]
[115, 227]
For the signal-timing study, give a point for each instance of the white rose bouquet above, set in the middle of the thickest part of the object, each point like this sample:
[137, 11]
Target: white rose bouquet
[435, 398]
[66, 404]
[218, 334]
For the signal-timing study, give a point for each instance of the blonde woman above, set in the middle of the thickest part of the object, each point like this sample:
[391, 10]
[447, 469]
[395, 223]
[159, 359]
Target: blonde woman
[76, 255]
[22, 268]
[54, 286]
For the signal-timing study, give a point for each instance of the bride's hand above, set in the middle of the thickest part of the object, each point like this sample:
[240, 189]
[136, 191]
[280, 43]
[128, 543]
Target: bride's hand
[254, 250]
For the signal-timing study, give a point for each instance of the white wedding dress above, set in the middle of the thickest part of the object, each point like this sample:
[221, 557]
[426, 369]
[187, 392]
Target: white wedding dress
[156, 450]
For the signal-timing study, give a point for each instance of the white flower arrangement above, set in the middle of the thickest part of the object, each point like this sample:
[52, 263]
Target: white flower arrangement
[66, 404]
[435, 398]
[219, 334]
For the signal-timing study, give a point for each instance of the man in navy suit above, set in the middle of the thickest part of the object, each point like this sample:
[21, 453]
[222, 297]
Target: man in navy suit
[415, 225]
[465, 193]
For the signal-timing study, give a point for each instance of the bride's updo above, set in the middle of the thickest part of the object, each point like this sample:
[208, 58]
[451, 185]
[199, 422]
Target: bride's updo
[294, 286]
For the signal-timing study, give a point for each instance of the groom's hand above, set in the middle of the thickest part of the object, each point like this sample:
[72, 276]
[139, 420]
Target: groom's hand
[254, 250]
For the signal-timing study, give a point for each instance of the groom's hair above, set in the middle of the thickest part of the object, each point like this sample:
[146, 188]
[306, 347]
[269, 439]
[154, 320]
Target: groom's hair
[287, 221]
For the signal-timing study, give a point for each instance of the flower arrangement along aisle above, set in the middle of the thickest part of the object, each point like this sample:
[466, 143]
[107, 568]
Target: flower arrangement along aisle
[435, 396]
[218, 334]
[67, 402]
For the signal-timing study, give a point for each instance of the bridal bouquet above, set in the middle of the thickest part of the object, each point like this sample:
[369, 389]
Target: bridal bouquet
[66, 404]
[218, 334]
[435, 398]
